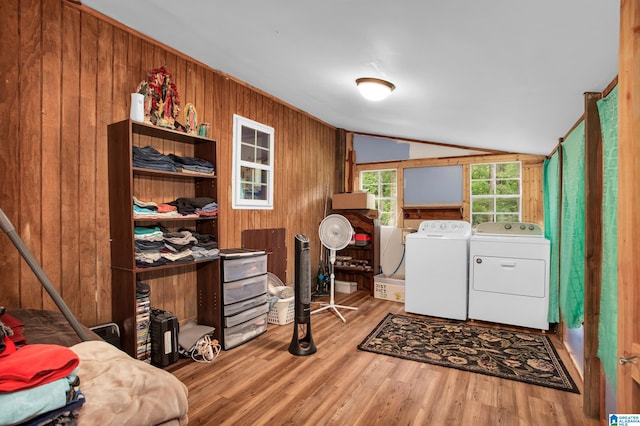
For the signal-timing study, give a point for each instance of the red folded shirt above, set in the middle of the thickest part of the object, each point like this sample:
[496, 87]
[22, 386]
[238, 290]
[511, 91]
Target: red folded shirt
[34, 365]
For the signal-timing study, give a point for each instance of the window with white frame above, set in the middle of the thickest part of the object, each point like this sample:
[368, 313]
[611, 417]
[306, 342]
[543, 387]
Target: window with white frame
[252, 179]
[383, 184]
[496, 192]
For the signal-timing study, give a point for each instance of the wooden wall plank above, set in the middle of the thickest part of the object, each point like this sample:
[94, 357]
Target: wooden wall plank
[69, 173]
[51, 161]
[30, 54]
[87, 169]
[104, 93]
[9, 160]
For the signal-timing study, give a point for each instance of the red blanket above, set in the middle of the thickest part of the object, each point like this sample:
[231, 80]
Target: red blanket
[34, 365]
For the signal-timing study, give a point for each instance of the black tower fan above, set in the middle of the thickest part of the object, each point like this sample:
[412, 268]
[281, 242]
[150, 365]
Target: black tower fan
[302, 341]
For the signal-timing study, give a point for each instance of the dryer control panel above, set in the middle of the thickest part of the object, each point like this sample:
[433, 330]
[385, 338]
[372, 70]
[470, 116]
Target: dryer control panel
[509, 228]
[445, 227]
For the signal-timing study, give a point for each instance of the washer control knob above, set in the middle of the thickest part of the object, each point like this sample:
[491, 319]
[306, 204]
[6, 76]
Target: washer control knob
[443, 225]
[507, 226]
[523, 227]
[531, 228]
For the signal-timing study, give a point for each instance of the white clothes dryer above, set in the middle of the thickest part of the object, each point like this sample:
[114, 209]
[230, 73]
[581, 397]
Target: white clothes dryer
[509, 274]
[436, 269]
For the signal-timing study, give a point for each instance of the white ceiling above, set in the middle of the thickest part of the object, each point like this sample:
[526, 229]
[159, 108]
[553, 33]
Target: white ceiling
[497, 74]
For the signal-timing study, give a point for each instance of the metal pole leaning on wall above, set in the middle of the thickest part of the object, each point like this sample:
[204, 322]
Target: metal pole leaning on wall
[8, 228]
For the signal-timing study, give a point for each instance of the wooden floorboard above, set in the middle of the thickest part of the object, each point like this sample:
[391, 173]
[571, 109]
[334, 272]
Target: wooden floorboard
[261, 383]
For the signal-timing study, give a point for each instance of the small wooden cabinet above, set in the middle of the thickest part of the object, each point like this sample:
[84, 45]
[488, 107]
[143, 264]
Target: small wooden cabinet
[364, 262]
[189, 285]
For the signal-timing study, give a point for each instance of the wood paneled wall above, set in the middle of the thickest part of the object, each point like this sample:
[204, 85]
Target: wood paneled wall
[67, 73]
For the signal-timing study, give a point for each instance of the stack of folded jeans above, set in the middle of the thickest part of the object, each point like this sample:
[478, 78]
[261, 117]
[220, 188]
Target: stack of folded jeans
[150, 158]
[192, 164]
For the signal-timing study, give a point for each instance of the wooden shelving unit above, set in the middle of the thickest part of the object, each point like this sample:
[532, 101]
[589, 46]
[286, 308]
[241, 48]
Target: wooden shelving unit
[365, 262]
[125, 182]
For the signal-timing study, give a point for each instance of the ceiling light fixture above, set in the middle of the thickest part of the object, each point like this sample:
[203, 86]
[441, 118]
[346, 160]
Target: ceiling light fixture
[374, 89]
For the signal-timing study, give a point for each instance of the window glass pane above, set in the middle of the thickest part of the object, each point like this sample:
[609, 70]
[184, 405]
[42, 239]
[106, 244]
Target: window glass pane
[263, 140]
[260, 191]
[504, 205]
[482, 205]
[386, 219]
[262, 156]
[371, 189]
[508, 170]
[507, 187]
[482, 187]
[246, 174]
[246, 192]
[248, 135]
[481, 218]
[507, 218]
[481, 171]
[388, 176]
[387, 190]
[247, 153]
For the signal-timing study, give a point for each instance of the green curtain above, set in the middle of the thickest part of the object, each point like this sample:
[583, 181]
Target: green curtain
[572, 229]
[551, 184]
[608, 326]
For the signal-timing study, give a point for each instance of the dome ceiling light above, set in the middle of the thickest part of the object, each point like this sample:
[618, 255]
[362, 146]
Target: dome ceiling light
[374, 89]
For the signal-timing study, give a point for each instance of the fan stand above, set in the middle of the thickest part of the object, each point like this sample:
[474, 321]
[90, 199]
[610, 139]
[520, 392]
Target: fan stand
[332, 303]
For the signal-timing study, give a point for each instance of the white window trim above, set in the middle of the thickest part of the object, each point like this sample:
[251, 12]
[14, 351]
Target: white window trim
[237, 202]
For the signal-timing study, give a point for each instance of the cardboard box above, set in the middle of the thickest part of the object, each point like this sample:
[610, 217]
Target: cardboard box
[353, 201]
[388, 288]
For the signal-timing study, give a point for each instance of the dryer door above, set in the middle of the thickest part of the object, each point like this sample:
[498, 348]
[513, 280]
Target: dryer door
[507, 275]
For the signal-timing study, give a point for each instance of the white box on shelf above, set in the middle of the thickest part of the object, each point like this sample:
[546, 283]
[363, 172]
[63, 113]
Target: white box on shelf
[346, 286]
[388, 288]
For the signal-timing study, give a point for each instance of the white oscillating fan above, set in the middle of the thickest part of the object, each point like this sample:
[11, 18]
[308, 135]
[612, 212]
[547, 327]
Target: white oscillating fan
[335, 233]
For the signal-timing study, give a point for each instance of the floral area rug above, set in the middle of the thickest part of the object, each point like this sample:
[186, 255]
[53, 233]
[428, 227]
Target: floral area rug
[514, 355]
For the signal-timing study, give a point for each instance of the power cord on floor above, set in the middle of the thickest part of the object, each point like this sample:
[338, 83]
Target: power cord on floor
[205, 350]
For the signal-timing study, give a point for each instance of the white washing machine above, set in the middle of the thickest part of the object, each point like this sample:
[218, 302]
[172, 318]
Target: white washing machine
[509, 274]
[436, 278]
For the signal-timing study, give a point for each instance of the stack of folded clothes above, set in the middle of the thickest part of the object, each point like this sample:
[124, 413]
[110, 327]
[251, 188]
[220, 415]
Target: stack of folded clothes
[156, 245]
[149, 242]
[201, 206]
[148, 157]
[179, 208]
[192, 164]
[38, 383]
[152, 210]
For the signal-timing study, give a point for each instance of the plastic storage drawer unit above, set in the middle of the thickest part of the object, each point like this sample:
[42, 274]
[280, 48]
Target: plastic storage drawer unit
[241, 333]
[244, 267]
[246, 315]
[244, 305]
[237, 291]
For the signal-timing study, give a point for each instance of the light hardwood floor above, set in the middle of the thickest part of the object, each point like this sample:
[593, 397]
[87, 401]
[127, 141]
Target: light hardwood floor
[261, 383]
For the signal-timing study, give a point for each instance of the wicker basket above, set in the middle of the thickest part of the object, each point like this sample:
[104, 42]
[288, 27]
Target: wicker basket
[282, 311]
